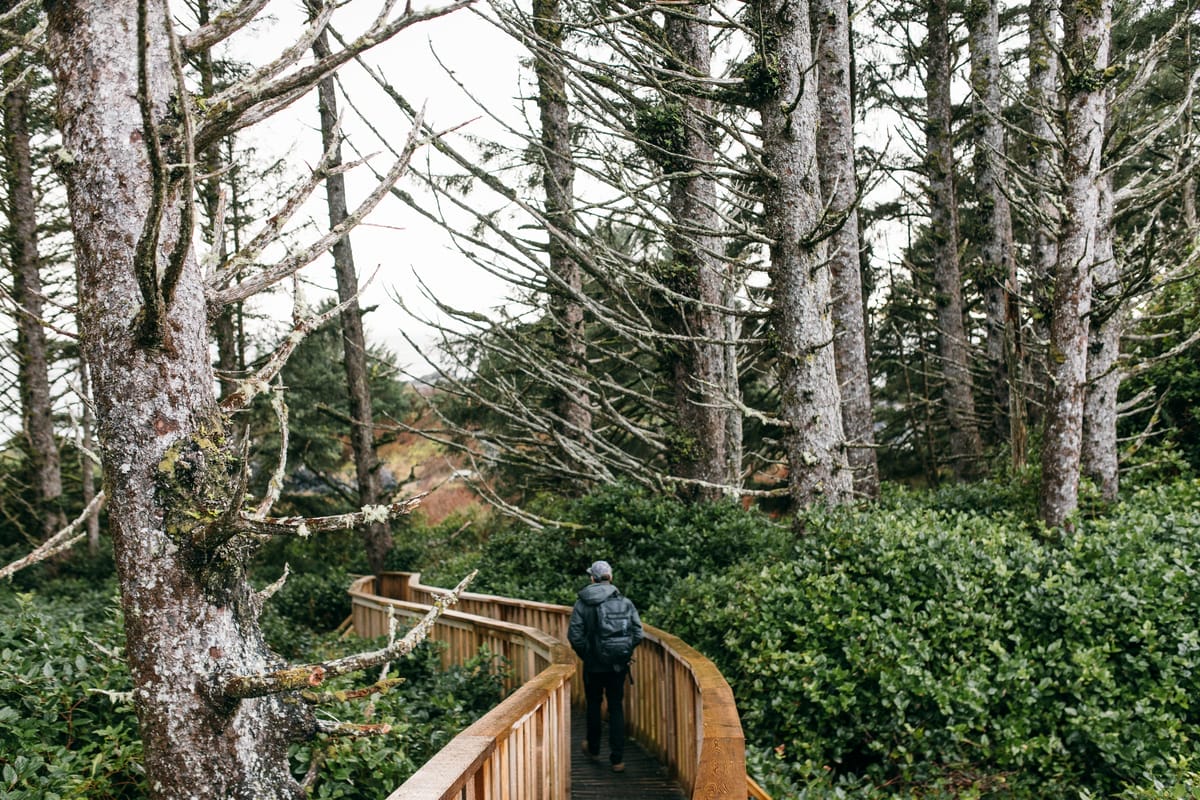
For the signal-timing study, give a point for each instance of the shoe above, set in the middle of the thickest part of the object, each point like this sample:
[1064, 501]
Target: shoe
[583, 746]
[619, 766]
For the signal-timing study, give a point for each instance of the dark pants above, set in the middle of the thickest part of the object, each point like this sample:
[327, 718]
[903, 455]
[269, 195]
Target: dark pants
[611, 685]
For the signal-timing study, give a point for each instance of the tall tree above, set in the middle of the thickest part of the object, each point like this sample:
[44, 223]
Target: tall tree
[839, 188]
[1086, 40]
[701, 372]
[1043, 210]
[810, 403]
[966, 446]
[216, 708]
[565, 283]
[376, 535]
[998, 269]
[1099, 457]
[41, 446]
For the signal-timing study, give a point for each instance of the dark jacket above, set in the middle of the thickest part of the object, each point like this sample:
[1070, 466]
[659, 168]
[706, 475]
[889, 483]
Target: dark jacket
[583, 623]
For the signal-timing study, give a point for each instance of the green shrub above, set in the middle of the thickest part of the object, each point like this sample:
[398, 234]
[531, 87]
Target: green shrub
[67, 727]
[652, 542]
[938, 651]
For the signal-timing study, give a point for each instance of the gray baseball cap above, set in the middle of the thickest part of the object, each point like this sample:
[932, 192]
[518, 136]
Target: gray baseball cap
[600, 570]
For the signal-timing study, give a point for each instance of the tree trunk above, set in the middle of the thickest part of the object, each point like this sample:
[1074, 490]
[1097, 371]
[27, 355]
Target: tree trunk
[224, 331]
[810, 402]
[1099, 455]
[190, 613]
[966, 447]
[839, 188]
[558, 182]
[1085, 50]
[31, 351]
[1045, 218]
[376, 536]
[998, 273]
[701, 373]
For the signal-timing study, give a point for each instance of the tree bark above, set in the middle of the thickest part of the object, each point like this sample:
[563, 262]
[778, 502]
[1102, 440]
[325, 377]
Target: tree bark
[376, 536]
[966, 446]
[1045, 217]
[32, 355]
[839, 188]
[558, 183]
[810, 402]
[998, 273]
[702, 373]
[1086, 43]
[1100, 452]
[190, 613]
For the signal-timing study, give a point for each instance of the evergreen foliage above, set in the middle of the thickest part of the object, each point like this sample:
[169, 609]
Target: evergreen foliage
[934, 645]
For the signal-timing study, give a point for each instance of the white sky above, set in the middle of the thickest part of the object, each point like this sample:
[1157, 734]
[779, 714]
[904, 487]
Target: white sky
[406, 249]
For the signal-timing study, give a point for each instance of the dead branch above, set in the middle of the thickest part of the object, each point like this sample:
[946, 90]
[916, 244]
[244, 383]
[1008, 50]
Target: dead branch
[306, 526]
[224, 25]
[307, 676]
[63, 540]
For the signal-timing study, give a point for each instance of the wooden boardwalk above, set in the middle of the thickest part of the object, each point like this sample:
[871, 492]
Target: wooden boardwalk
[591, 779]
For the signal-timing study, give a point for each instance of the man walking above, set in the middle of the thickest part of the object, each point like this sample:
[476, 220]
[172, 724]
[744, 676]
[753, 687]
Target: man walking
[604, 629]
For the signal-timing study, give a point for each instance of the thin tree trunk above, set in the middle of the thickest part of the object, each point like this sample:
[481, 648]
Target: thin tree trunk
[839, 188]
[1100, 457]
[87, 468]
[966, 446]
[190, 613]
[701, 373]
[810, 402]
[376, 536]
[224, 330]
[558, 182]
[1085, 49]
[998, 275]
[1043, 161]
[31, 351]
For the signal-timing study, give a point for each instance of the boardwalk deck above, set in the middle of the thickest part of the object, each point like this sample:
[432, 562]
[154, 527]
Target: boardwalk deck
[643, 778]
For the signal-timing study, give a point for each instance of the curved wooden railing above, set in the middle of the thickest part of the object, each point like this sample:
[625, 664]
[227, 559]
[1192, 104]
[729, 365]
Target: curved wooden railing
[680, 707]
[521, 748]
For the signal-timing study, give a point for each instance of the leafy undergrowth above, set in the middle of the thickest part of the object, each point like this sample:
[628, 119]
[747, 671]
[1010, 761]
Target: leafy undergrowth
[68, 729]
[933, 645]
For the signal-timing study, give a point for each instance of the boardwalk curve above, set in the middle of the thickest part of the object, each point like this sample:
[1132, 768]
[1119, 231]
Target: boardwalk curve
[682, 713]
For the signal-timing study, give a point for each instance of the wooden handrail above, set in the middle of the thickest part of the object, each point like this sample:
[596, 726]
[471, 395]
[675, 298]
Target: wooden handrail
[521, 748]
[680, 707]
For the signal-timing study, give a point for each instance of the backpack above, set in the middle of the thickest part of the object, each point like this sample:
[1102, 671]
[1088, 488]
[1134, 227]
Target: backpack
[614, 631]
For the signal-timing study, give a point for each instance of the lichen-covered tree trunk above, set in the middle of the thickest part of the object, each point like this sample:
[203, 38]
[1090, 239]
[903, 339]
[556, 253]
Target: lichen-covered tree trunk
[1100, 452]
[1086, 39]
[801, 325]
[998, 271]
[701, 370]
[376, 536]
[190, 614]
[558, 182]
[966, 446]
[839, 188]
[32, 356]
[1043, 213]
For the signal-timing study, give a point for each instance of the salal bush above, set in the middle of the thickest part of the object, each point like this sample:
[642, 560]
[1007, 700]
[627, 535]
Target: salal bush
[927, 648]
[67, 727]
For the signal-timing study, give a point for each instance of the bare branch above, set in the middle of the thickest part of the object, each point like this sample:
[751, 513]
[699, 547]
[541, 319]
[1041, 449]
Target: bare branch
[311, 675]
[227, 23]
[63, 540]
[306, 526]
[272, 275]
